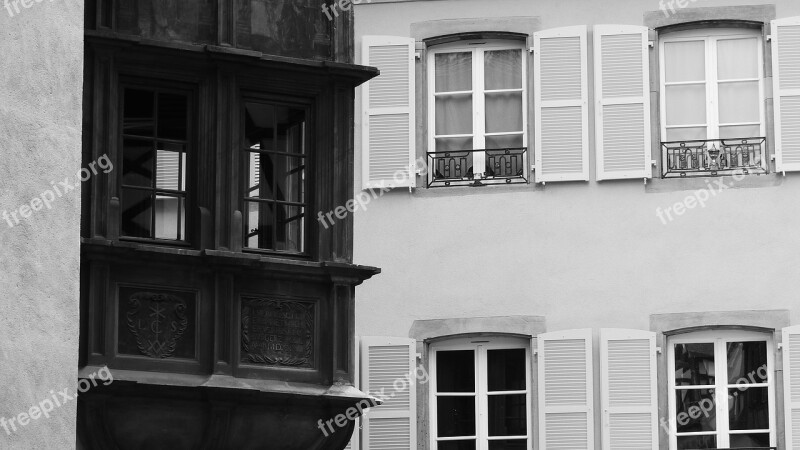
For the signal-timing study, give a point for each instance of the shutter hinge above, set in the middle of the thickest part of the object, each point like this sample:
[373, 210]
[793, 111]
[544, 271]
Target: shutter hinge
[769, 38]
[653, 162]
[536, 352]
[418, 55]
[531, 49]
[419, 356]
[780, 345]
[651, 44]
[658, 350]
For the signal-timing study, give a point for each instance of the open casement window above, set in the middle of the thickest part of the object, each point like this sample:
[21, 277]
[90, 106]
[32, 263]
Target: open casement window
[566, 386]
[480, 398]
[274, 176]
[721, 390]
[388, 113]
[791, 385]
[622, 110]
[786, 79]
[712, 102]
[629, 395]
[388, 371]
[562, 105]
[155, 142]
[477, 113]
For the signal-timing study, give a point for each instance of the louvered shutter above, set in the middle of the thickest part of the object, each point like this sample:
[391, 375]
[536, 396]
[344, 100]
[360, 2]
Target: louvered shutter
[384, 362]
[786, 79]
[566, 410]
[791, 385]
[561, 102]
[629, 396]
[622, 110]
[388, 113]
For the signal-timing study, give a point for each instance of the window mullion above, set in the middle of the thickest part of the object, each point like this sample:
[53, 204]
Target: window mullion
[481, 389]
[712, 94]
[479, 108]
[721, 393]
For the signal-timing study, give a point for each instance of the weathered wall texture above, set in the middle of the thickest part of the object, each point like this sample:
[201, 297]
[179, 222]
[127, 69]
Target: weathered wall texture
[41, 73]
[582, 255]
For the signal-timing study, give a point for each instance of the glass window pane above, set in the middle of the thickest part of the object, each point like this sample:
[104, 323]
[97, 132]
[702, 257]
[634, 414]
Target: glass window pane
[291, 172]
[507, 415]
[453, 144]
[503, 112]
[455, 416]
[509, 444]
[457, 445]
[750, 440]
[686, 134]
[694, 364]
[697, 442]
[137, 162]
[506, 369]
[168, 170]
[168, 211]
[740, 132]
[503, 69]
[504, 141]
[737, 59]
[686, 104]
[254, 178]
[695, 410]
[138, 112]
[748, 408]
[455, 371]
[454, 114]
[172, 116]
[739, 102]
[289, 230]
[453, 72]
[747, 362]
[137, 210]
[258, 225]
[685, 61]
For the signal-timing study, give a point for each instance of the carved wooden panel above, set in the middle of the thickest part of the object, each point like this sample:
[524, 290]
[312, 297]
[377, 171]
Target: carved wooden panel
[278, 332]
[157, 324]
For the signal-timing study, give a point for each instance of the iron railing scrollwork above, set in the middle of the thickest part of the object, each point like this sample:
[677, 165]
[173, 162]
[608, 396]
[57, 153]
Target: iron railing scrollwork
[456, 168]
[713, 157]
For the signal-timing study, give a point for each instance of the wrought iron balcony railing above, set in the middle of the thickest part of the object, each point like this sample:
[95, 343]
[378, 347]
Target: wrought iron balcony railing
[456, 168]
[712, 158]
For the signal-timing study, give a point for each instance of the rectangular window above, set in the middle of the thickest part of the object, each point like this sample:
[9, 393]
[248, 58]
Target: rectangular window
[478, 113]
[712, 96]
[155, 144]
[481, 395]
[274, 177]
[721, 391]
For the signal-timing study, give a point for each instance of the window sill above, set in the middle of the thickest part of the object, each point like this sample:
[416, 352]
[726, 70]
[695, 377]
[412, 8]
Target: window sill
[753, 181]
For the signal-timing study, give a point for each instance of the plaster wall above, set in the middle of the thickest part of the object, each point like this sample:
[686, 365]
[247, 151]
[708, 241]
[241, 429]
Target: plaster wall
[41, 77]
[582, 255]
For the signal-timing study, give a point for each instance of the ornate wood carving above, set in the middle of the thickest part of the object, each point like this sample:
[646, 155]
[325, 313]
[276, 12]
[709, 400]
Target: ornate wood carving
[157, 321]
[278, 332]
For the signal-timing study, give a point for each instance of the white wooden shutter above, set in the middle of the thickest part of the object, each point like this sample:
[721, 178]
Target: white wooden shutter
[385, 364]
[629, 396]
[786, 79]
[791, 385]
[388, 113]
[622, 110]
[566, 410]
[561, 102]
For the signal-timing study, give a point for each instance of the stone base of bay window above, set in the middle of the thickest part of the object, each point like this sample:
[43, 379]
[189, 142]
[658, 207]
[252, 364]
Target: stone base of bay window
[218, 412]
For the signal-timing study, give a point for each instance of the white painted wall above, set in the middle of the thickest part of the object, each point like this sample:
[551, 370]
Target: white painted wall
[580, 254]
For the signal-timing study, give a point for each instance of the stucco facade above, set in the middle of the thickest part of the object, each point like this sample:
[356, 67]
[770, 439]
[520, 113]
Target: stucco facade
[580, 254]
[40, 137]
